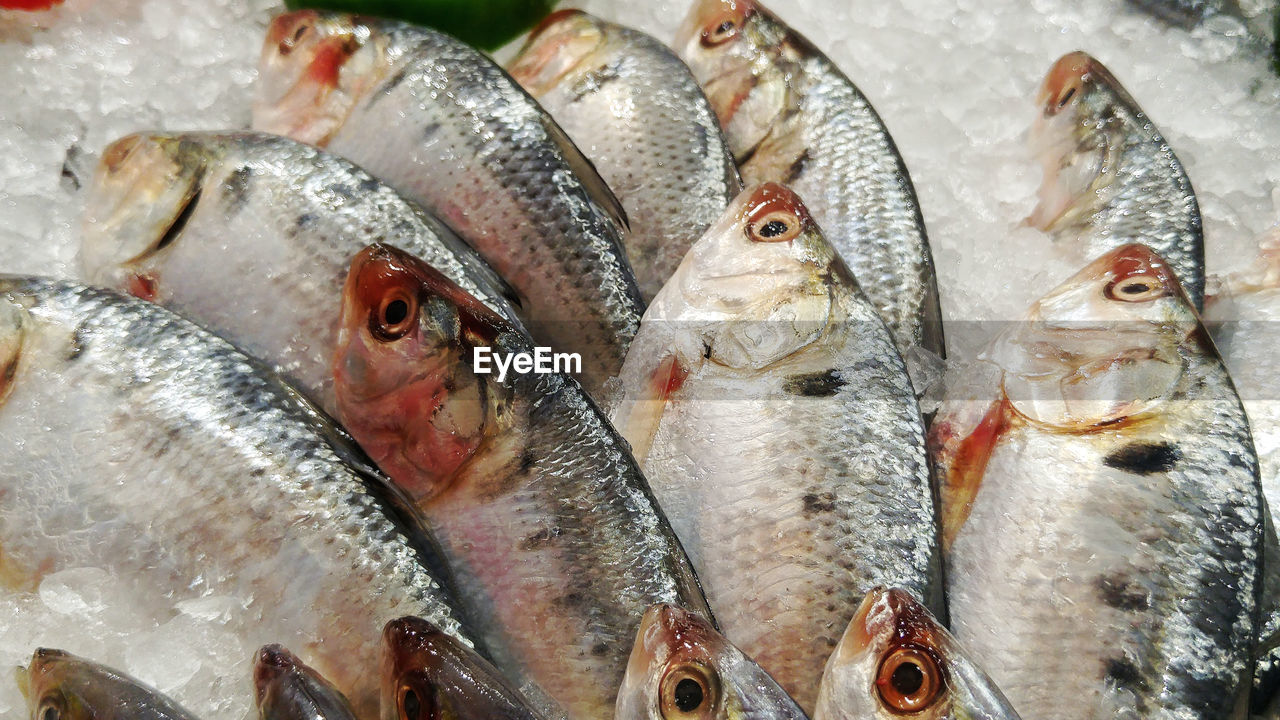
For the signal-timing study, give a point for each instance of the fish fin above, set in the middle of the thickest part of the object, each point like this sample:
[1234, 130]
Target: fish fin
[586, 172]
[961, 456]
[638, 421]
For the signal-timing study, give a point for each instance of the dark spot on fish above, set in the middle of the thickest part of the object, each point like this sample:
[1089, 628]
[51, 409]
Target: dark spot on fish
[236, 187]
[706, 350]
[819, 384]
[369, 185]
[70, 180]
[342, 190]
[541, 538]
[1144, 458]
[573, 600]
[818, 503]
[593, 81]
[527, 460]
[304, 220]
[796, 168]
[79, 338]
[257, 472]
[1125, 674]
[430, 129]
[1119, 592]
[391, 83]
[600, 649]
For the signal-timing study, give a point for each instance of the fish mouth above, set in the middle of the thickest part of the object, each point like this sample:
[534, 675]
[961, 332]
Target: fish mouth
[273, 662]
[557, 47]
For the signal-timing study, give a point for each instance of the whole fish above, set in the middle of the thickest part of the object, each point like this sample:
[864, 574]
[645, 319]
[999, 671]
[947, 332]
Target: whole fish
[768, 406]
[1110, 178]
[61, 686]
[1102, 508]
[550, 529]
[427, 674]
[896, 659]
[251, 235]
[639, 116]
[286, 689]
[681, 667]
[792, 117]
[151, 449]
[443, 124]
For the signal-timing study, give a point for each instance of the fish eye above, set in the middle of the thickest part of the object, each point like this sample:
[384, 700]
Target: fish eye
[49, 710]
[410, 704]
[720, 31]
[1066, 95]
[777, 226]
[909, 680]
[395, 316]
[687, 691]
[288, 44]
[1136, 288]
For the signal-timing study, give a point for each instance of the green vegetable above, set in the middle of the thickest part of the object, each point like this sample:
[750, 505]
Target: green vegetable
[484, 23]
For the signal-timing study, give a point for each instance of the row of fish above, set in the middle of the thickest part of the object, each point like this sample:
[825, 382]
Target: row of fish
[746, 455]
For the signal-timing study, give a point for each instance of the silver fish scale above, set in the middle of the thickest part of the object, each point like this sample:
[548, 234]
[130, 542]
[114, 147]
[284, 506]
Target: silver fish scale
[643, 121]
[450, 129]
[1094, 587]
[163, 455]
[854, 182]
[1149, 199]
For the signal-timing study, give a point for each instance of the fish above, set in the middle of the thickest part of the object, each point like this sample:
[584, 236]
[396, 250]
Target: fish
[550, 529]
[896, 659]
[777, 425]
[286, 689]
[61, 686]
[1109, 177]
[637, 113]
[792, 117]
[426, 674]
[1102, 509]
[154, 451]
[448, 128]
[682, 667]
[251, 235]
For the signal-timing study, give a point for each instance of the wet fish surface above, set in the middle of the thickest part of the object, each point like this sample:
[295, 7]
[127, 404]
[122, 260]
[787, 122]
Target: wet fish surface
[166, 457]
[447, 127]
[61, 686]
[770, 410]
[682, 667]
[549, 527]
[251, 236]
[426, 673]
[637, 113]
[896, 659]
[1110, 177]
[1102, 508]
[791, 116]
[286, 689]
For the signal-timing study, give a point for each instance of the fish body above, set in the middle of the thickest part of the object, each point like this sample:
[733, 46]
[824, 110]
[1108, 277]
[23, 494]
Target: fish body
[150, 449]
[450, 129]
[776, 422]
[637, 113]
[1102, 509]
[251, 235]
[792, 117]
[286, 689]
[682, 667]
[1110, 177]
[544, 518]
[426, 673]
[896, 659]
[61, 686]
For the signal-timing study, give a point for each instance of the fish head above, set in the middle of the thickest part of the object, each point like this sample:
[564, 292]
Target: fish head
[741, 56]
[1105, 346]
[562, 48]
[1076, 136]
[287, 689]
[756, 287]
[314, 66]
[144, 191]
[681, 668]
[61, 686]
[895, 660]
[403, 368]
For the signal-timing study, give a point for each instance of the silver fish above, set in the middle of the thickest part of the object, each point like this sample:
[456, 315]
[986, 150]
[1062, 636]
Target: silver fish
[896, 659]
[682, 668]
[1102, 508]
[550, 529]
[447, 127]
[768, 406]
[1110, 178]
[792, 117]
[638, 115]
[167, 457]
[61, 686]
[286, 689]
[251, 236]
